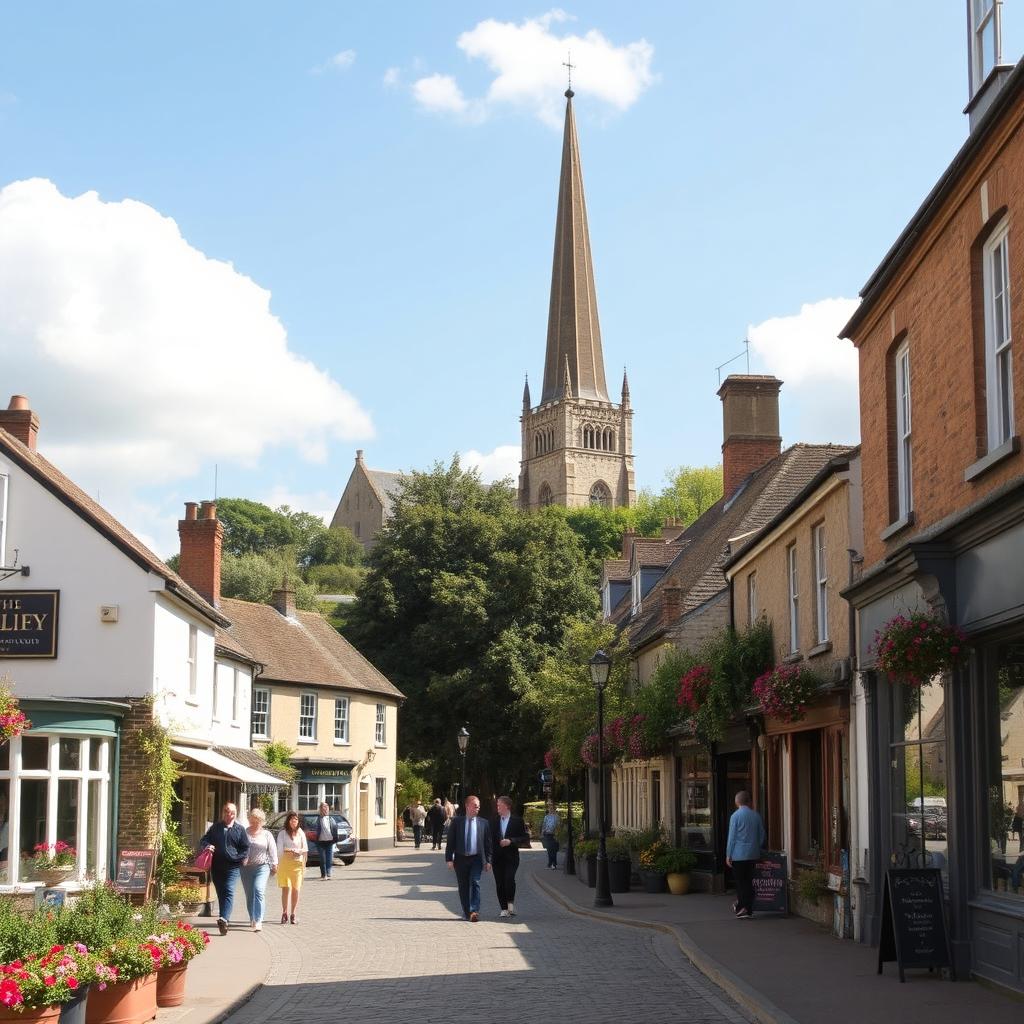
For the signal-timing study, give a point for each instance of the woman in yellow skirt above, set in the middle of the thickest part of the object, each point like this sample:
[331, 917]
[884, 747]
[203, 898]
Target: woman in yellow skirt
[292, 850]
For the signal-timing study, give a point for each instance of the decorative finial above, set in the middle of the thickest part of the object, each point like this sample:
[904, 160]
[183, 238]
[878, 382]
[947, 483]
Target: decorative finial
[567, 63]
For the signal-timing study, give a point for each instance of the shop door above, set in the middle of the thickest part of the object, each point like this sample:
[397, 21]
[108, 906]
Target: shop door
[733, 774]
[363, 828]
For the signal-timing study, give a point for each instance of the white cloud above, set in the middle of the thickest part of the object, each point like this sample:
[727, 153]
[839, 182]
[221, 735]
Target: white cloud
[819, 399]
[498, 464]
[392, 77]
[339, 62]
[527, 60]
[440, 94]
[146, 359]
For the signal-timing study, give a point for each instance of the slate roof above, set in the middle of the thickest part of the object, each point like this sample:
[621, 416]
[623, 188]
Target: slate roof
[305, 649]
[68, 492]
[385, 484]
[698, 566]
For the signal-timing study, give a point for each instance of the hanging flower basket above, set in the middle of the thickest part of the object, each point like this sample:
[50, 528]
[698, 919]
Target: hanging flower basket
[12, 719]
[914, 648]
[785, 692]
[694, 688]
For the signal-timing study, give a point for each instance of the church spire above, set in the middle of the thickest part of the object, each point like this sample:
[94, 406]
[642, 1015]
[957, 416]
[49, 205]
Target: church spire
[526, 395]
[567, 379]
[574, 333]
[625, 387]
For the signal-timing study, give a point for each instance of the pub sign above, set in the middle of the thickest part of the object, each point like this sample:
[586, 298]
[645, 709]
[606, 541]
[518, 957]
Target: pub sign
[28, 623]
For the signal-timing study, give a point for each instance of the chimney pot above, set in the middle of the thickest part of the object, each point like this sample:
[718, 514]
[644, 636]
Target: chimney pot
[208, 509]
[19, 420]
[628, 537]
[18, 402]
[359, 455]
[190, 510]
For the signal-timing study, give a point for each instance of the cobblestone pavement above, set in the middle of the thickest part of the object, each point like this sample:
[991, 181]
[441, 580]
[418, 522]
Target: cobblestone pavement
[385, 940]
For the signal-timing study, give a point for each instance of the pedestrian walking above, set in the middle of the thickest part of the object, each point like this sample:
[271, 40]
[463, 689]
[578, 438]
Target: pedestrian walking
[449, 811]
[419, 817]
[260, 864]
[509, 831]
[549, 834]
[292, 850]
[406, 819]
[743, 851]
[230, 844]
[435, 821]
[468, 853]
[326, 837]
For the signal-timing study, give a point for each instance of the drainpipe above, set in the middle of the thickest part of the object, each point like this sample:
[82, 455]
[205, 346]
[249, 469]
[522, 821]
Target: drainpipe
[115, 806]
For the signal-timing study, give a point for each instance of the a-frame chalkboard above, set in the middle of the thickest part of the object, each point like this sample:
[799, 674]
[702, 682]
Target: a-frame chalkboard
[914, 921]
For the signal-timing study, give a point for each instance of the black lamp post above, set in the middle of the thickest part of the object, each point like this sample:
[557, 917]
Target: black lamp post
[600, 669]
[463, 738]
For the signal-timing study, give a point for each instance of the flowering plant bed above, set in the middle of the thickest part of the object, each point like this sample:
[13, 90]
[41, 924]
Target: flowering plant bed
[179, 944]
[914, 648]
[57, 857]
[133, 959]
[649, 857]
[785, 691]
[623, 737]
[50, 979]
[694, 688]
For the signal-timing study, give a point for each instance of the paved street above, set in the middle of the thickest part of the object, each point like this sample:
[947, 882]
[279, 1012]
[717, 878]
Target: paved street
[385, 940]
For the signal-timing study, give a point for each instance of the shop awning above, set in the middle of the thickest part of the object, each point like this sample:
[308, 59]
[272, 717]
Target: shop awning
[226, 766]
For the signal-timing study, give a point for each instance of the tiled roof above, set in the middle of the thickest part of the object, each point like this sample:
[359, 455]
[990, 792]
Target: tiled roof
[253, 759]
[306, 649]
[385, 484]
[698, 567]
[614, 570]
[652, 551]
[231, 645]
[67, 491]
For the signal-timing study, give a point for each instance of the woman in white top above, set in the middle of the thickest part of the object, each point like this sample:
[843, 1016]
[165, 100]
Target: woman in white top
[292, 849]
[260, 864]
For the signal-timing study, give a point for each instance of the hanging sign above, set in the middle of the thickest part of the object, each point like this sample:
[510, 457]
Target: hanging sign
[28, 623]
[914, 920]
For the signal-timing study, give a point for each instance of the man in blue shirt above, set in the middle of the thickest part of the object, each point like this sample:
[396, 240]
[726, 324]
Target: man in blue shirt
[743, 851]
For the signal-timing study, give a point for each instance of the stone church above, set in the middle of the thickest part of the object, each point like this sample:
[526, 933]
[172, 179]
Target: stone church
[577, 444]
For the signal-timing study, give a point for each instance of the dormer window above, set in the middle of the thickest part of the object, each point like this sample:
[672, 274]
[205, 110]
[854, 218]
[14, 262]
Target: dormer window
[637, 596]
[985, 40]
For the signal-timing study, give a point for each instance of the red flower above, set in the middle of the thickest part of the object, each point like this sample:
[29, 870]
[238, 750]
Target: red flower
[49, 981]
[72, 983]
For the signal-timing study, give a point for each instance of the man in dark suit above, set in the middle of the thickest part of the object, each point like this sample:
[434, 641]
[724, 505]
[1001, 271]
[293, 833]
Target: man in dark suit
[509, 834]
[468, 854]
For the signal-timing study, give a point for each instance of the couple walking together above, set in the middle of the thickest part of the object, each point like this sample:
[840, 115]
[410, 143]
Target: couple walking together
[476, 845]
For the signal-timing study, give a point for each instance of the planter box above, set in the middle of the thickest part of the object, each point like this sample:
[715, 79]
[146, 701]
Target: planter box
[819, 911]
[619, 875]
[126, 1002]
[586, 870]
[653, 881]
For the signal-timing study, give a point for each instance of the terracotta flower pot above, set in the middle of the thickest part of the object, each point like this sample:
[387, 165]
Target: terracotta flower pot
[678, 883]
[170, 984]
[127, 1002]
[44, 1013]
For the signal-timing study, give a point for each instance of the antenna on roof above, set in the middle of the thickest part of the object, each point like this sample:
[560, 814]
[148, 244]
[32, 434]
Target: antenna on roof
[745, 352]
[215, 481]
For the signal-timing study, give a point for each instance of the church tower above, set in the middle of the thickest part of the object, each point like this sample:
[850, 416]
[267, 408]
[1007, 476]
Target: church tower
[577, 444]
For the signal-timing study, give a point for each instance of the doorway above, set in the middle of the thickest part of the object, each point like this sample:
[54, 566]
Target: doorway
[732, 774]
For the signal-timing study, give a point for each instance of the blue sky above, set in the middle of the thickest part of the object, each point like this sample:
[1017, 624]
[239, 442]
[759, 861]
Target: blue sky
[383, 183]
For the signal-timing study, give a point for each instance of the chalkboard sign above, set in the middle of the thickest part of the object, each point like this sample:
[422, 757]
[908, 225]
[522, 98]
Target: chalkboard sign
[914, 921]
[134, 871]
[771, 891]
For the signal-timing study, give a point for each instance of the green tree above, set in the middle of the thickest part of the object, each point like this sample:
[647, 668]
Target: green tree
[412, 777]
[254, 577]
[253, 528]
[464, 596]
[334, 546]
[691, 490]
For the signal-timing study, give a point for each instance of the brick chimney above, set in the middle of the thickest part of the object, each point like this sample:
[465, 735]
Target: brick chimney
[672, 529]
[750, 426]
[628, 536]
[671, 604]
[18, 419]
[283, 599]
[201, 537]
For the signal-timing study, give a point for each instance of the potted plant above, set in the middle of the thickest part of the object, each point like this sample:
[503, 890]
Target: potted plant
[586, 862]
[12, 719]
[33, 989]
[131, 999]
[620, 865]
[652, 877]
[784, 692]
[914, 648]
[54, 864]
[184, 898]
[677, 864]
[180, 945]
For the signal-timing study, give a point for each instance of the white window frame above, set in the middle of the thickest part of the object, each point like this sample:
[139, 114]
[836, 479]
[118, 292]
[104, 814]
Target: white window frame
[904, 423]
[380, 726]
[193, 661]
[215, 695]
[303, 717]
[4, 487]
[984, 19]
[236, 696]
[339, 704]
[998, 337]
[256, 692]
[821, 582]
[636, 595]
[380, 794]
[752, 598]
[794, 599]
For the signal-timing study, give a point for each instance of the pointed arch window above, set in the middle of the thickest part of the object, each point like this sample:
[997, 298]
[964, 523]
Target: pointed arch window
[600, 495]
[544, 497]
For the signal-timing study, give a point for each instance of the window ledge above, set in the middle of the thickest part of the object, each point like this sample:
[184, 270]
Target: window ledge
[381, 746]
[986, 462]
[901, 524]
[792, 659]
[306, 741]
[342, 743]
[192, 701]
[822, 648]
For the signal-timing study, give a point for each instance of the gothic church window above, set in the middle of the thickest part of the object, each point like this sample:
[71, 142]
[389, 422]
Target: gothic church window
[544, 498]
[600, 495]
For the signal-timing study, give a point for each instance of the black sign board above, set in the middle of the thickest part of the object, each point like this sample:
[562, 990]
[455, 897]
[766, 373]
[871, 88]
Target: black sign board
[28, 623]
[914, 921]
[771, 889]
[134, 871]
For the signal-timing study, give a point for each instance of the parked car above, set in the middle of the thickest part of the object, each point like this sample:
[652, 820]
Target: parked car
[344, 850]
[933, 811]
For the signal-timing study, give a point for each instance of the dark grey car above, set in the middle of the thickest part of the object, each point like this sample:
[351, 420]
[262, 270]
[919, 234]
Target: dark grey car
[344, 849]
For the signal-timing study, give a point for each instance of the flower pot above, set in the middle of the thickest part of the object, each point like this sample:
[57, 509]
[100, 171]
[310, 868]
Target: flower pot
[653, 881]
[127, 1002]
[619, 872]
[73, 1011]
[678, 883]
[44, 1013]
[586, 870]
[170, 984]
[55, 876]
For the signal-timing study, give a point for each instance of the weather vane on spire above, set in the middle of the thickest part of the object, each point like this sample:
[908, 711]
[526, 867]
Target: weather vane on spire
[567, 63]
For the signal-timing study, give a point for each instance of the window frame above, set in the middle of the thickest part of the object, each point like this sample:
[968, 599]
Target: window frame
[998, 351]
[303, 695]
[904, 433]
[793, 598]
[256, 691]
[342, 740]
[820, 583]
[236, 695]
[380, 726]
[751, 598]
[989, 20]
[193, 661]
[380, 793]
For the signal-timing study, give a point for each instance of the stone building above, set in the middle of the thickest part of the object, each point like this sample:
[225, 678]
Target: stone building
[366, 503]
[577, 445]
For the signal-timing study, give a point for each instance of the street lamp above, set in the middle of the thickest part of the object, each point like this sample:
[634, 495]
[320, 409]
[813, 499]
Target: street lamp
[463, 738]
[600, 669]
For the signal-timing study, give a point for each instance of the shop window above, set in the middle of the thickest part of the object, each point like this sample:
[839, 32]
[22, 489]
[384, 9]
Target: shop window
[808, 779]
[917, 760]
[1005, 724]
[693, 786]
[35, 753]
[336, 797]
[309, 796]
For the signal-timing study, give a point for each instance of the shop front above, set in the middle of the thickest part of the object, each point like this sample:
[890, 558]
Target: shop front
[324, 781]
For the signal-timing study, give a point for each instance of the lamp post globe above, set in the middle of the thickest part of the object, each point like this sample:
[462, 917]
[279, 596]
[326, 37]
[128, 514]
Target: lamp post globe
[463, 738]
[600, 670]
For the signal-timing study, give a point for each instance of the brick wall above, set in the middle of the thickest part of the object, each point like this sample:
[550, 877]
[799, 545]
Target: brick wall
[743, 456]
[137, 810]
[935, 302]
